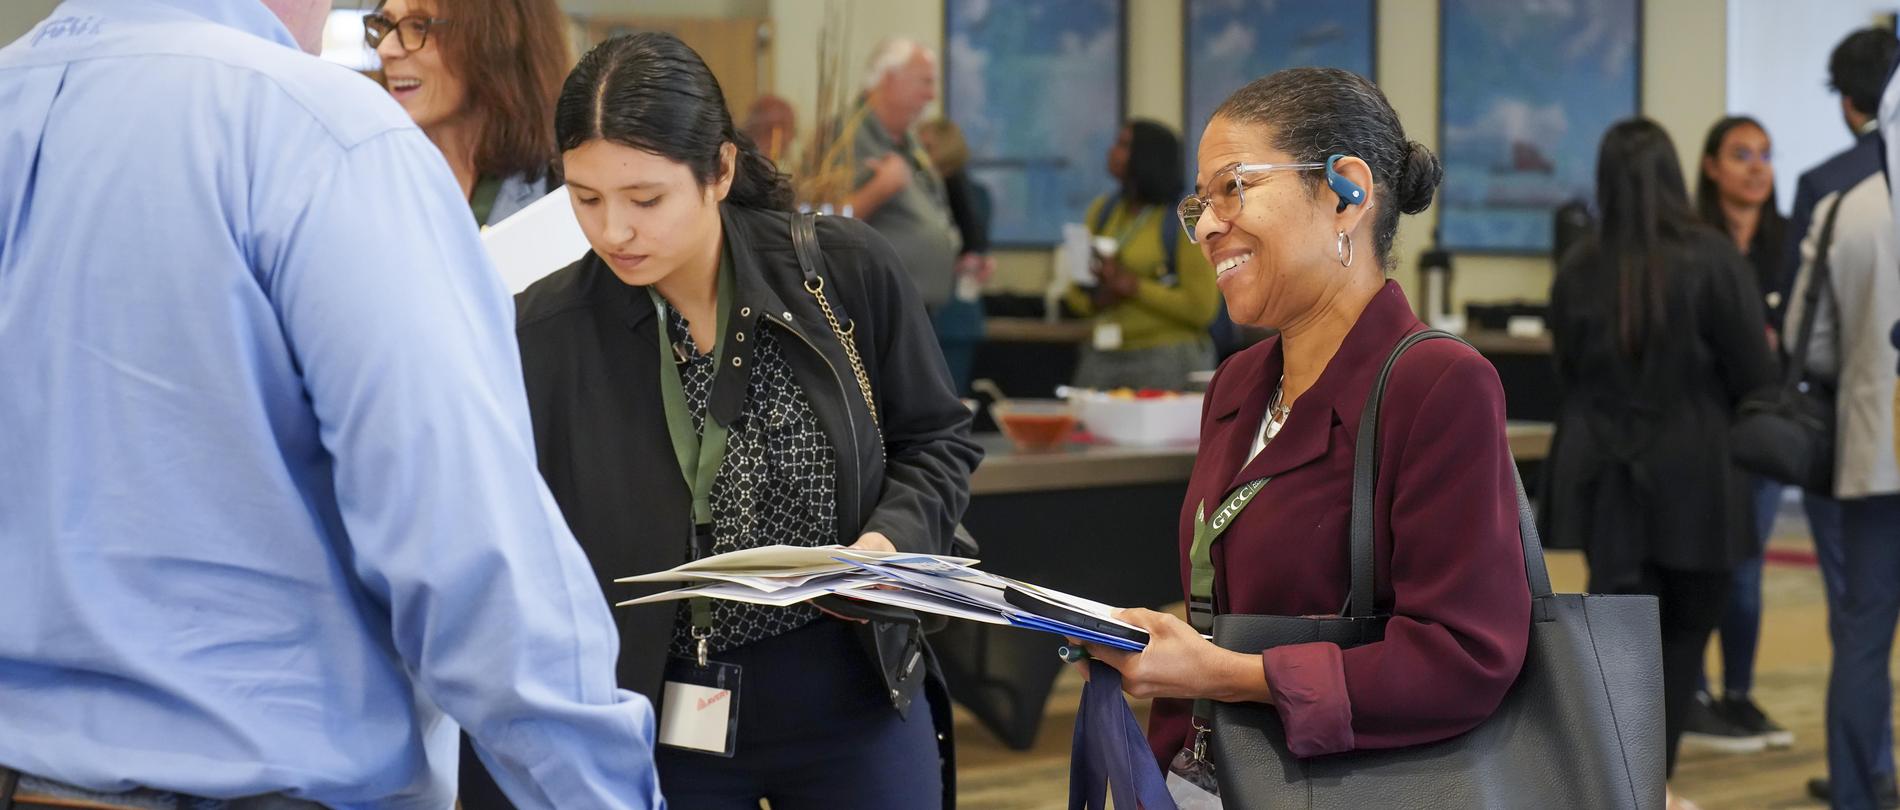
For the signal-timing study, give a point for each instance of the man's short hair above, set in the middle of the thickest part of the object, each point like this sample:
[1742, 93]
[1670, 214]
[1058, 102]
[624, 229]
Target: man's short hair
[891, 54]
[1858, 67]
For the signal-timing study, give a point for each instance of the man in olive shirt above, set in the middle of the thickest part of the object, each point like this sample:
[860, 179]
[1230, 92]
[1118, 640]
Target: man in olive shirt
[898, 192]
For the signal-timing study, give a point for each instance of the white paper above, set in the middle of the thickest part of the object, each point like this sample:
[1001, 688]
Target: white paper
[783, 560]
[535, 241]
[960, 591]
[1189, 796]
[926, 603]
[734, 592]
[1076, 603]
[1073, 256]
[929, 583]
[695, 717]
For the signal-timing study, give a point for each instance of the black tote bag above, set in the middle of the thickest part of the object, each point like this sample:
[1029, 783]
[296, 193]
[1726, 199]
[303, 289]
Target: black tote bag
[1581, 727]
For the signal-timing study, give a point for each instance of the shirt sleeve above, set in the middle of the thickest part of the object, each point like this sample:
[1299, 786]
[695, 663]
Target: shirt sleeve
[1737, 327]
[404, 338]
[1460, 617]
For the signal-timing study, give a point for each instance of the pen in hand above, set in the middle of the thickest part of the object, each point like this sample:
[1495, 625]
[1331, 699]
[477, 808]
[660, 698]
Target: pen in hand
[1072, 653]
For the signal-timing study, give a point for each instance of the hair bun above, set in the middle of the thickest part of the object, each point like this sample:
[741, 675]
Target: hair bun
[1418, 181]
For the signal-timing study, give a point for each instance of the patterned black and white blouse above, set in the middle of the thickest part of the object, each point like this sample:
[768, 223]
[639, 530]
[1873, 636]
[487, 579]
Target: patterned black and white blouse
[777, 485]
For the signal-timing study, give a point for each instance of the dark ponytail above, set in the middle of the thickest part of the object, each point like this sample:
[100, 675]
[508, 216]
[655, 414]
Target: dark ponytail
[651, 92]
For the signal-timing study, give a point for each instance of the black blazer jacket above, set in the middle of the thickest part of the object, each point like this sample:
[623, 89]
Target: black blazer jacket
[1640, 472]
[589, 357]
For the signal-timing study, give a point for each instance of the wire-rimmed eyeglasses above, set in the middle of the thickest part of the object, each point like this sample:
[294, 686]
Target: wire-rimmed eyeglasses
[1226, 193]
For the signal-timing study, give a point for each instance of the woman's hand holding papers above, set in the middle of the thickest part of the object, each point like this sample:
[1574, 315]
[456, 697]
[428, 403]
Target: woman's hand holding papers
[874, 541]
[1179, 663]
[870, 541]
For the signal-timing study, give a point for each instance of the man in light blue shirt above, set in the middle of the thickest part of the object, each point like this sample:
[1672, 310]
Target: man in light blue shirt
[269, 515]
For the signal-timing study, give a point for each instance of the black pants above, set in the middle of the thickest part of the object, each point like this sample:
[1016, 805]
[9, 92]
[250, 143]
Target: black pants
[816, 730]
[1691, 603]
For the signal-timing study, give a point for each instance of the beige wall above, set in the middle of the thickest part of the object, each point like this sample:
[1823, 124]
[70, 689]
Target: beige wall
[1683, 88]
[19, 16]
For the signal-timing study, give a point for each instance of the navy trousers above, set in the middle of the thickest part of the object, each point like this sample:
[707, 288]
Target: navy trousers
[816, 730]
[1860, 689]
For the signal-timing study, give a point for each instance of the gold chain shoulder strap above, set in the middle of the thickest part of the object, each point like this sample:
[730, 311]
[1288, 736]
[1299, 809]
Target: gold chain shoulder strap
[805, 245]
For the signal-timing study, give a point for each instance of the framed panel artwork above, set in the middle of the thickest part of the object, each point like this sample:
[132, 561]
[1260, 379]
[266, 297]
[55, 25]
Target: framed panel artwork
[1036, 86]
[1232, 42]
[1526, 91]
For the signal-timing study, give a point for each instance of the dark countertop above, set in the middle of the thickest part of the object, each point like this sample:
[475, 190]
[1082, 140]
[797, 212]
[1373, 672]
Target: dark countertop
[1087, 466]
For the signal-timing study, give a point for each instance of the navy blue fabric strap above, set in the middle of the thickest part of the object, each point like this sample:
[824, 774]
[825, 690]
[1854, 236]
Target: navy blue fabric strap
[1107, 210]
[1110, 756]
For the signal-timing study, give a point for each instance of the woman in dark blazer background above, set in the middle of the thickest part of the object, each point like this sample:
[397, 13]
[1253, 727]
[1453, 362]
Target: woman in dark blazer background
[693, 258]
[1659, 333]
[1310, 260]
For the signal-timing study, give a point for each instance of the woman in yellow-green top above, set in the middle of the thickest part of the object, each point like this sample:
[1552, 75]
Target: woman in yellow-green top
[1151, 310]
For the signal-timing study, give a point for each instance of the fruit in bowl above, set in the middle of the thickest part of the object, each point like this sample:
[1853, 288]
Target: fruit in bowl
[1035, 424]
[1148, 417]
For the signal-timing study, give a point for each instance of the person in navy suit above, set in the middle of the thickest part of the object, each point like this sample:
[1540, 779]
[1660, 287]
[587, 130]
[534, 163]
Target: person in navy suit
[1857, 70]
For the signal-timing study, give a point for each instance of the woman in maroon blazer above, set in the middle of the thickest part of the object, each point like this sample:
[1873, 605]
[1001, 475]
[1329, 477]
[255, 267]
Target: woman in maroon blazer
[1281, 231]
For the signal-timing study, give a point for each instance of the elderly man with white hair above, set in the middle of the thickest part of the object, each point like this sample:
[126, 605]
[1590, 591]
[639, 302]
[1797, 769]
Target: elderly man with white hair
[898, 191]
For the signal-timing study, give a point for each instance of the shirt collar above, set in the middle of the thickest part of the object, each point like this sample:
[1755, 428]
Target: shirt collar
[1338, 396]
[867, 118]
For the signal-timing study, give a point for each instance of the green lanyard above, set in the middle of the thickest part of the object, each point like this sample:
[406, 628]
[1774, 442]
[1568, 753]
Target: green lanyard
[1201, 592]
[1201, 553]
[481, 200]
[699, 453]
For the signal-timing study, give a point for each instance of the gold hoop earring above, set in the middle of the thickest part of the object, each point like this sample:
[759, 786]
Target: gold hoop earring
[1342, 249]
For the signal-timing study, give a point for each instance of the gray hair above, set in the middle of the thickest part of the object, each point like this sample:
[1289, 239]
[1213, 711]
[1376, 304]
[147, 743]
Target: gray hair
[891, 54]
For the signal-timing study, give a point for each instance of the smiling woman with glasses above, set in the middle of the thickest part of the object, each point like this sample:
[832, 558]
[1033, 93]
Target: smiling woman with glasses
[1303, 176]
[479, 77]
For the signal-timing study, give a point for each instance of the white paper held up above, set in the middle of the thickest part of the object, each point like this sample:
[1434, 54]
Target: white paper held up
[535, 241]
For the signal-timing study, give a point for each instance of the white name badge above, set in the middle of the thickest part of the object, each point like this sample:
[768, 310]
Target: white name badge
[1108, 336]
[699, 709]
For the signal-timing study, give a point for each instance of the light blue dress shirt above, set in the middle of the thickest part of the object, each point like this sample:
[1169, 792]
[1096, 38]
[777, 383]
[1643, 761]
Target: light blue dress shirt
[269, 512]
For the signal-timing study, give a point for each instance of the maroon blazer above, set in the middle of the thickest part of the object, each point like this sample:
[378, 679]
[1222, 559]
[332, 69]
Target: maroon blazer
[1450, 566]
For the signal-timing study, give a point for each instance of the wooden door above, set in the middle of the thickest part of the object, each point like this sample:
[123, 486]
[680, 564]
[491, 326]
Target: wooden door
[738, 50]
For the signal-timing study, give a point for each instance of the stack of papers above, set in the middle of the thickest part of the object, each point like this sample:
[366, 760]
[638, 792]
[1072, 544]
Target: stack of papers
[927, 583]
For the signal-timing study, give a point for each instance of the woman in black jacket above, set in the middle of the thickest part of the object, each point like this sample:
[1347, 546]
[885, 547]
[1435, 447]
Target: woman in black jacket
[1658, 336]
[690, 319]
[1735, 193]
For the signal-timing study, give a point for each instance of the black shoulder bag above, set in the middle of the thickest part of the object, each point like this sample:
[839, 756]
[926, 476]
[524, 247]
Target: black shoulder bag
[1786, 432]
[1581, 726]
